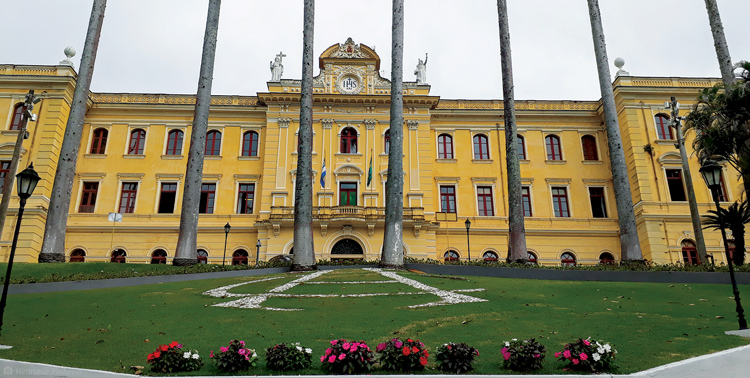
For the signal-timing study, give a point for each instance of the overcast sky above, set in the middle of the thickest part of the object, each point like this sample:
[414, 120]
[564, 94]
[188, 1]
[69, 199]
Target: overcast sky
[154, 46]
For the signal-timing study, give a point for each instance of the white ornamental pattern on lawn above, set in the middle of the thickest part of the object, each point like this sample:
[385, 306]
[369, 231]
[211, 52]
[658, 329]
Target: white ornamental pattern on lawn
[447, 297]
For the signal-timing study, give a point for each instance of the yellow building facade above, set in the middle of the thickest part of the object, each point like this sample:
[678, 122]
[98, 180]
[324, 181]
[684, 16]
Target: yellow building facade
[134, 147]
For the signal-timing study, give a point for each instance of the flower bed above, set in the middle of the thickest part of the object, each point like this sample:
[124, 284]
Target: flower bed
[455, 358]
[584, 355]
[345, 357]
[234, 357]
[170, 358]
[403, 355]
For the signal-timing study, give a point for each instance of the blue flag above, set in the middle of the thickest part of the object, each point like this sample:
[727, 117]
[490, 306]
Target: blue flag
[323, 175]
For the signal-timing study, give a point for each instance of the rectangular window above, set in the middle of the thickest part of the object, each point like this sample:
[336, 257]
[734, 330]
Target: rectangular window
[208, 197]
[448, 199]
[347, 194]
[4, 171]
[167, 198]
[598, 207]
[560, 202]
[245, 199]
[675, 185]
[127, 197]
[723, 190]
[526, 199]
[88, 197]
[484, 201]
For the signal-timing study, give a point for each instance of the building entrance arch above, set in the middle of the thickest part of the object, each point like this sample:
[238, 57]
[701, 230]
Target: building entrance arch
[347, 247]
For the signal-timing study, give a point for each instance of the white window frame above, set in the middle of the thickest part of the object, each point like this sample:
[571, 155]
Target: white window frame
[551, 185]
[82, 179]
[477, 184]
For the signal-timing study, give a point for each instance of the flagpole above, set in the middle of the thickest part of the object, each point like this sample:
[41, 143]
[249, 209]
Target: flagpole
[371, 156]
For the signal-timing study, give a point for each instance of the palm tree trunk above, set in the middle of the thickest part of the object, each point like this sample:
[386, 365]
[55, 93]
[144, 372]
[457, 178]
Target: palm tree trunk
[517, 244]
[53, 245]
[629, 243]
[739, 245]
[187, 240]
[393, 238]
[304, 247]
[720, 42]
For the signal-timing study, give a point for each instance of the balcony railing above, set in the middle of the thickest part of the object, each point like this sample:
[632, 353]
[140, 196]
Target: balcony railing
[286, 213]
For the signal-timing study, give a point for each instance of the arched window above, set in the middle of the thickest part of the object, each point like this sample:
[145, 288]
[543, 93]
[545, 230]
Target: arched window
[531, 257]
[521, 147]
[445, 146]
[99, 141]
[174, 142]
[568, 259]
[239, 257]
[663, 131]
[78, 255]
[387, 140]
[213, 143]
[589, 148]
[159, 257]
[489, 256]
[348, 141]
[118, 256]
[15, 123]
[202, 256]
[451, 256]
[347, 247]
[554, 152]
[481, 147]
[137, 142]
[250, 144]
[606, 258]
[690, 253]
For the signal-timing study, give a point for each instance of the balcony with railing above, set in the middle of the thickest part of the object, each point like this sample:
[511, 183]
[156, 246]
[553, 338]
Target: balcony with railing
[334, 213]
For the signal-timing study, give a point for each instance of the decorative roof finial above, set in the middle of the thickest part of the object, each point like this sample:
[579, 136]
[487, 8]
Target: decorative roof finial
[69, 53]
[619, 63]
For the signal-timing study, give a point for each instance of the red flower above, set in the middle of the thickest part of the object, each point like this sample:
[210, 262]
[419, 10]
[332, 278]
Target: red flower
[415, 350]
[423, 361]
[409, 340]
[163, 348]
[150, 356]
[157, 354]
[173, 344]
[426, 353]
[406, 351]
[449, 347]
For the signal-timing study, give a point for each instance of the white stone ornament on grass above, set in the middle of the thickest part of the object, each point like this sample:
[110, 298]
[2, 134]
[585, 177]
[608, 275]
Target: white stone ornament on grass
[256, 300]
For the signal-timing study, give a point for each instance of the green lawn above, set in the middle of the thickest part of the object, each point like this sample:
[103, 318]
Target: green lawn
[649, 324]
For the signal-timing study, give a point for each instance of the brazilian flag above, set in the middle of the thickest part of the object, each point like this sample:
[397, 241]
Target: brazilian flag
[369, 173]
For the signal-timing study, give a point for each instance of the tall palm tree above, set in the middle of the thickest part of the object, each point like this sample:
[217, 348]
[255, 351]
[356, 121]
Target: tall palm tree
[53, 245]
[517, 245]
[393, 238]
[734, 218]
[629, 242]
[187, 240]
[720, 42]
[304, 248]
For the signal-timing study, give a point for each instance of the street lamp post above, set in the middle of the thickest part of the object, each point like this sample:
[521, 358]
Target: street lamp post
[257, 252]
[712, 174]
[227, 227]
[468, 243]
[26, 182]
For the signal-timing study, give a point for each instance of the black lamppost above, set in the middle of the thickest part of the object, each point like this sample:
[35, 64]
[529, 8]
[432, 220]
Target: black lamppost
[227, 227]
[26, 183]
[712, 174]
[468, 243]
[257, 252]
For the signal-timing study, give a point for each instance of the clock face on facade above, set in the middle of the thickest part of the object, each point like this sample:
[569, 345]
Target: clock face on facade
[349, 85]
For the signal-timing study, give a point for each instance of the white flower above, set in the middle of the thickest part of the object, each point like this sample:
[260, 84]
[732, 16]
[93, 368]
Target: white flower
[299, 348]
[186, 355]
[507, 344]
[308, 350]
[596, 356]
[513, 339]
[196, 356]
[255, 354]
[600, 350]
[607, 347]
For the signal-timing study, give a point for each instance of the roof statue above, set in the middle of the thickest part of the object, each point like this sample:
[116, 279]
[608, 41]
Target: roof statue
[277, 69]
[421, 70]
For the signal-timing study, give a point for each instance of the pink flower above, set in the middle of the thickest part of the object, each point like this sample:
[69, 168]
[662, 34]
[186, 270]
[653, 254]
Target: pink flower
[211, 355]
[353, 348]
[224, 349]
[583, 356]
[355, 344]
[333, 342]
[381, 346]
[575, 361]
[586, 342]
[328, 351]
[558, 354]
[322, 358]
[346, 346]
[506, 356]
[242, 343]
[398, 344]
[537, 355]
[341, 356]
[504, 350]
[566, 353]
[331, 359]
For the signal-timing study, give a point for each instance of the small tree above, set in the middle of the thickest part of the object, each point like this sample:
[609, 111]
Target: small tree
[735, 217]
